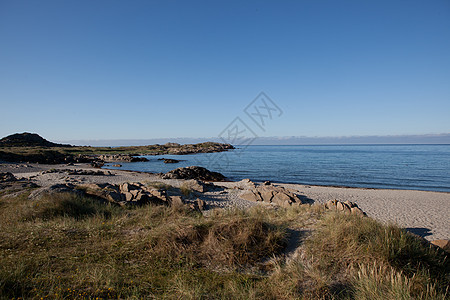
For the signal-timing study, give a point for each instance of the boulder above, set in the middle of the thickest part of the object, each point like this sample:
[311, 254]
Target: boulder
[346, 207]
[201, 204]
[357, 211]
[171, 161]
[7, 177]
[194, 172]
[195, 185]
[443, 244]
[251, 196]
[270, 194]
[121, 157]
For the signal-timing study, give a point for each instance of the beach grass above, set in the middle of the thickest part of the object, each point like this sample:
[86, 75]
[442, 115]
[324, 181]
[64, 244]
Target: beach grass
[69, 246]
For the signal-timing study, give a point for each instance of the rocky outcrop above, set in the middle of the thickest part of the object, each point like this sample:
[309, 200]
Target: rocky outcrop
[194, 172]
[208, 147]
[129, 194]
[171, 161]
[7, 177]
[195, 185]
[121, 157]
[79, 172]
[269, 193]
[45, 157]
[346, 207]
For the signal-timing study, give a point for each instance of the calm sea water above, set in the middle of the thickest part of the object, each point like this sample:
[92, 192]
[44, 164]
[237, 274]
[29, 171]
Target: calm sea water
[419, 167]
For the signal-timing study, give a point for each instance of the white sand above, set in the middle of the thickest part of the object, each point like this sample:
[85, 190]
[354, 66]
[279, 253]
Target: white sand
[424, 213]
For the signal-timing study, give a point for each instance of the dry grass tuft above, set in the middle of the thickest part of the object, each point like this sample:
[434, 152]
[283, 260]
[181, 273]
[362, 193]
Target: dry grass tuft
[65, 246]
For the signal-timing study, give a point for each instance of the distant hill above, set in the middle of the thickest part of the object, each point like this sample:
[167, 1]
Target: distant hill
[27, 140]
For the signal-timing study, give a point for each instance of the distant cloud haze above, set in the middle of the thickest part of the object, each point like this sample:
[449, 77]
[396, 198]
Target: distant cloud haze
[443, 138]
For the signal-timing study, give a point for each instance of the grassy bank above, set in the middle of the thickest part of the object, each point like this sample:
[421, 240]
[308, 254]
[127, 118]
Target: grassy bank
[67, 246]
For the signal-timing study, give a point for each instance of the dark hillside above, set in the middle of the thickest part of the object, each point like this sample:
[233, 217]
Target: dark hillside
[27, 140]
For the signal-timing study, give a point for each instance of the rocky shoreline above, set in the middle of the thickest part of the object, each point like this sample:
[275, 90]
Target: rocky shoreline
[31, 148]
[204, 190]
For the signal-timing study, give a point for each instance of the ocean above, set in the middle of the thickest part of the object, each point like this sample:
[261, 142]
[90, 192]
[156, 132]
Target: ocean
[416, 167]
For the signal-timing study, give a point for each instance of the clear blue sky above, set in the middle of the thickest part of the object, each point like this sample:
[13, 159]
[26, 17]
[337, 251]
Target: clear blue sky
[148, 69]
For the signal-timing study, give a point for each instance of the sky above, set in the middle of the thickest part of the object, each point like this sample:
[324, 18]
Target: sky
[81, 70]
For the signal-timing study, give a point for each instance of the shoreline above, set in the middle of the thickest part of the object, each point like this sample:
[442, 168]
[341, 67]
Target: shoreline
[424, 213]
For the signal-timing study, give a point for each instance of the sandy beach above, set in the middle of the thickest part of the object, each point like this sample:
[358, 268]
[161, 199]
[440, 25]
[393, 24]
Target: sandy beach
[421, 212]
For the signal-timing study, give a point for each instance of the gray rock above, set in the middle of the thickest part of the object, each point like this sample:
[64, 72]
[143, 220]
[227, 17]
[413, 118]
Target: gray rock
[194, 172]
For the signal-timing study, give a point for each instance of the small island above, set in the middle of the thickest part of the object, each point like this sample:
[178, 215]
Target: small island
[32, 148]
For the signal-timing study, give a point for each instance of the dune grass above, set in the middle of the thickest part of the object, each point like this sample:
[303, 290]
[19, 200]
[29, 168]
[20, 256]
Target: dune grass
[66, 246]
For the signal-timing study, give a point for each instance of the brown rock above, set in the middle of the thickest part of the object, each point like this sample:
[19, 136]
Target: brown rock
[347, 209]
[331, 204]
[266, 195]
[350, 204]
[176, 201]
[195, 185]
[357, 211]
[7, 177]
[113, 197]
[124, 188]
[251, 196]
[281, 198]
[201, 204]
[128, 196]
[443, 244]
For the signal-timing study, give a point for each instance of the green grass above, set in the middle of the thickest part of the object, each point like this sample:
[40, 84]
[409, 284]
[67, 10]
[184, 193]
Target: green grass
[65, 246]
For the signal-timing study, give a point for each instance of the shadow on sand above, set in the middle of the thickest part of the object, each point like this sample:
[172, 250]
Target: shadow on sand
[420, 231]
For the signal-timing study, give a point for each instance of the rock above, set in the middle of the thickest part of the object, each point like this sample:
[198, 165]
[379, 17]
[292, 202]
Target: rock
[443, 244]
[357, 211]
[7, 177]
[121, 157]
[251, 196]
[201, 204]
[281, 198]
[124, 187]
[176, 201]
[171, 161]
[331, 204]
[194, 172]
[128, 196]
[113, 196]
[270, 194]
[346, 207]
[195, 185]
[350, 204]
[266, 196]
[97, 164]
[117, 165]
[267, 183]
